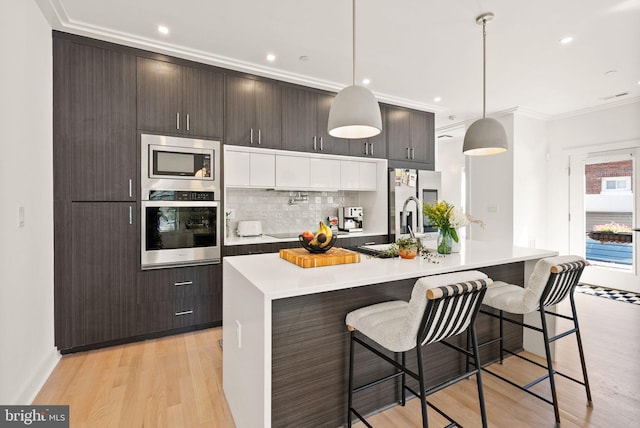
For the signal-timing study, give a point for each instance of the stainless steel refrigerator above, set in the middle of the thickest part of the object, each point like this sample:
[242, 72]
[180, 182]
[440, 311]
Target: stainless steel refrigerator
[408, 189]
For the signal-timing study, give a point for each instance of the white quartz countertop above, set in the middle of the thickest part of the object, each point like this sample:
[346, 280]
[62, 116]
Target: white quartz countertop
[277, 278]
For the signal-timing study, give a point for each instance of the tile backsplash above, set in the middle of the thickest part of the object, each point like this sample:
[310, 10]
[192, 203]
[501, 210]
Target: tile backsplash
[285, 211]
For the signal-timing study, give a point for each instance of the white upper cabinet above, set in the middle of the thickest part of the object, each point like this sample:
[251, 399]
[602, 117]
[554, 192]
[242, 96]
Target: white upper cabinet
[276, 169]
[358, 175]
[246, 169]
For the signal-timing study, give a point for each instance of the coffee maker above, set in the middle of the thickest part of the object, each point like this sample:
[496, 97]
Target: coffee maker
[350, 219]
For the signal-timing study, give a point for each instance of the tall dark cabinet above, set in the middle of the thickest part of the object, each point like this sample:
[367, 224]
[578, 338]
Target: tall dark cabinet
[95, 170]
[410, 138]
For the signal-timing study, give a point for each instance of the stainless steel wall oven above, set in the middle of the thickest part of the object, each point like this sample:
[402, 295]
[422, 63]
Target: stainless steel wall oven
[181, 211]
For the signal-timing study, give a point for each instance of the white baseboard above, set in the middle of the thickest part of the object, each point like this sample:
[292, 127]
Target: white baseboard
[38, 377]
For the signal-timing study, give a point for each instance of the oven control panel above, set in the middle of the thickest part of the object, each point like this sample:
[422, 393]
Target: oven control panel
[180, 195]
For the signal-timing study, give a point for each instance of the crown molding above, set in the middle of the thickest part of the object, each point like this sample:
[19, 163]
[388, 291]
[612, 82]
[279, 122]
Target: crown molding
[594, 109]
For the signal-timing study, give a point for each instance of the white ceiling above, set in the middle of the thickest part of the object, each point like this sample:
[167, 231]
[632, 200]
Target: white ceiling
[412, 50]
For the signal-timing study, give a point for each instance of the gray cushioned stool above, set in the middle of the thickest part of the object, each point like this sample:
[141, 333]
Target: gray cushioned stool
[552, 280]
[441, 306]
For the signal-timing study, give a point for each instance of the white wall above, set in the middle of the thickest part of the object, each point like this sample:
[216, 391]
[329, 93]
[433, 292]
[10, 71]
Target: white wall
[529, 182]
[620, 123]
[26, 274]
[490, 191]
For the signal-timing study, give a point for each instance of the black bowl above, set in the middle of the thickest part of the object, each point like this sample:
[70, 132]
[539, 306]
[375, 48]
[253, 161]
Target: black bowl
[316, 248]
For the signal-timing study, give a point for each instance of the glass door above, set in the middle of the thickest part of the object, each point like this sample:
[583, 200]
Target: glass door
[603, 216]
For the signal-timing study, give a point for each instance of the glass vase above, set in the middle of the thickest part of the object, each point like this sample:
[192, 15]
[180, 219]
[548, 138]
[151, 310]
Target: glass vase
[444, 241]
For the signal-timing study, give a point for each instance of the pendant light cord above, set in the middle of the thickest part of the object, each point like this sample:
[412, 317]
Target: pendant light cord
[484, 67]
[353, 56]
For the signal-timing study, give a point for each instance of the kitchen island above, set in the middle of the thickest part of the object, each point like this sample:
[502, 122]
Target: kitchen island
[286, 347]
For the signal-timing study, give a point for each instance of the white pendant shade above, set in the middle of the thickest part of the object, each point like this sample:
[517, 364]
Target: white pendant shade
[485, 136]
[354, 113]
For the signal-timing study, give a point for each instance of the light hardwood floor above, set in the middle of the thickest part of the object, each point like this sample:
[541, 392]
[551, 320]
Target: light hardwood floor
[177, 382]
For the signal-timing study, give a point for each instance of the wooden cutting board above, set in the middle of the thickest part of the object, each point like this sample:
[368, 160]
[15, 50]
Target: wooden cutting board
[305, 259]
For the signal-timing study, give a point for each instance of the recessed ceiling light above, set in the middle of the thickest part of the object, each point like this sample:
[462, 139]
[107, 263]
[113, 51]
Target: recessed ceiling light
[437, 99]
[162, 29]
[271, 57]
[566, 40]
[366, 81]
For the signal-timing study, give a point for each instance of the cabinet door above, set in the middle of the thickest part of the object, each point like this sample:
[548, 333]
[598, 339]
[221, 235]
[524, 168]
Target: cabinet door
[203, 103]
[292, 172]
[398, 134]
[375, 147]
[240, 111]
[159, 93]
[327, 143]
[237, 168]
[263, 170]
[419, 137]
[299, 117]
[324, 174]
[253, 116]
[104, 259]
[349, 175]
[368, 176]
[94, 122]
[268, 114]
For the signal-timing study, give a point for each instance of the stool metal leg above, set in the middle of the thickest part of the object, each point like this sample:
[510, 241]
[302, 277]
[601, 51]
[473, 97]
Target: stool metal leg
[501, 337]
[350, 401]
[423, 397]
[476, 359]
[580, 350]
[404, 379]
[547, 349]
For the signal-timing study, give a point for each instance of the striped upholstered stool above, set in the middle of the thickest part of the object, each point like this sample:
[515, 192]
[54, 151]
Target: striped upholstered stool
[552, 280]
[441, 306]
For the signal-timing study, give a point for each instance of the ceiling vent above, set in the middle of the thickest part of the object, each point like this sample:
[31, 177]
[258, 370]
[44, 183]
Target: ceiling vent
[610, 97]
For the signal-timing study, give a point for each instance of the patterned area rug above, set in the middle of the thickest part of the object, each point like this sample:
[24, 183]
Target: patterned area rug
[621, 296]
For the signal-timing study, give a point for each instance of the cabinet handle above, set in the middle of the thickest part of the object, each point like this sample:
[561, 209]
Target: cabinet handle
[371, 153]
[413, 152]
[314, 143]
[408, 153]
[130, 188]
[181, 283]
[187, 121]
[178, 120]
[251, 136]
[321, 143]
[190, 311]
[259, 136]
[366, 148]
[130, 214]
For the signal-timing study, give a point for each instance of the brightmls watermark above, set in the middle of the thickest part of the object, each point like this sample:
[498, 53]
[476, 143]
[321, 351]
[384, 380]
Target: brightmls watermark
[34, 416]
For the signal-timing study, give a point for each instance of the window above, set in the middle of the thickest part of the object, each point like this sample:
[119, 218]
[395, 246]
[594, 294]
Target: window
[616, 185]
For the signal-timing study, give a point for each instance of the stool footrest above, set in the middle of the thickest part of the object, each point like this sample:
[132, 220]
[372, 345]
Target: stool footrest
[517, 386]
[377, 382]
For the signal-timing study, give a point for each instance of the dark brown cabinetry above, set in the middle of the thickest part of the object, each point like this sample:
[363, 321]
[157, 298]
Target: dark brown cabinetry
[305, 114]
[102, 265]
[179, 297]
[410, 137]
[177, 99]
[252, 113]
[373, 147]
[94, 123]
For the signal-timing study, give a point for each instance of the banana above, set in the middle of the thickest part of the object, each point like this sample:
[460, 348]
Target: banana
[327, 231]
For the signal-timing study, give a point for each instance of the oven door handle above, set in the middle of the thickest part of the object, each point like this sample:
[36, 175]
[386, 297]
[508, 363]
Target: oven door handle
[187, 204]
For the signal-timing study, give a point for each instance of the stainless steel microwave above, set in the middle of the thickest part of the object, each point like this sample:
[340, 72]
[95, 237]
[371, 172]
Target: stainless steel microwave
[176, 163]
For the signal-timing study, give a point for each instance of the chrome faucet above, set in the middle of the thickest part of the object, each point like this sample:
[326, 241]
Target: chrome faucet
[406, 215]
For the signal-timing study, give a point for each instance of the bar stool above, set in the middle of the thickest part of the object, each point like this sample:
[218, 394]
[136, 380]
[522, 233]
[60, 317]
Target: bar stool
[441, 306]
[551, 281]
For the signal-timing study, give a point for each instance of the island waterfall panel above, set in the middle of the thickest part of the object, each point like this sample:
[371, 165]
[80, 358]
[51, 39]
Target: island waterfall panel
[310, 354]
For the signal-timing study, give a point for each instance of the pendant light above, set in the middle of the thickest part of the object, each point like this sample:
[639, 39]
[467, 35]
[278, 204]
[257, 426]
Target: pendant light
[354, 112]
[485, 136]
